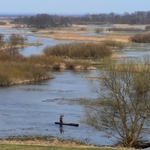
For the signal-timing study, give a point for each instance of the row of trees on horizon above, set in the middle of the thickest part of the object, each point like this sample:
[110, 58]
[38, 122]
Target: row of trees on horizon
[46, 20]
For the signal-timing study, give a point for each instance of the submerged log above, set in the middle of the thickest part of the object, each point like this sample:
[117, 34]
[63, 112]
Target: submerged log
[69, 124]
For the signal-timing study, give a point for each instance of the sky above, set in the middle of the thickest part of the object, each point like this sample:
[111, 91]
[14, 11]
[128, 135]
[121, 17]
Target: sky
[72, 6]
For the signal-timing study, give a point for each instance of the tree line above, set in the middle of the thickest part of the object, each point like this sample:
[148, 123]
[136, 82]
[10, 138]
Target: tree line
[45, 20]
[139, 17]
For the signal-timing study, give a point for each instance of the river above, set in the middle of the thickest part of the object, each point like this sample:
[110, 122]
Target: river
[29, 110]
[32, 109]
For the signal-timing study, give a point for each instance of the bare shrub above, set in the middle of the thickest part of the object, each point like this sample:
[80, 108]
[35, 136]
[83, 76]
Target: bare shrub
[15, 39]
[81, 51]
[99, 30]
[140, 38]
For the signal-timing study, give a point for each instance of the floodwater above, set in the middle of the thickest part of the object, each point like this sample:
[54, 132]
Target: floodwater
[28, 110]
[136, 51]
[32, 109]
[36, 50]
[33, 38]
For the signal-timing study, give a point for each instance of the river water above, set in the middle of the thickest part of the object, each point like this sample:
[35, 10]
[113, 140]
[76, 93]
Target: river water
[33, 109]
[29, 110]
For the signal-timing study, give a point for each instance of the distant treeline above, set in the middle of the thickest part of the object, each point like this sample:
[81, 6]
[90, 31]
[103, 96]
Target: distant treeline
[45, 20]
[139, 17]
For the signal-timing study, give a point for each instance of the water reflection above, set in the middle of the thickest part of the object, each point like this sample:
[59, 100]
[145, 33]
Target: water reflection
[61, 129]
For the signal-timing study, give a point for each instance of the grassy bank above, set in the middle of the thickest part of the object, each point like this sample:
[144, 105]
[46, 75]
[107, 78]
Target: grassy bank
[33, 147]
[43, 143]
[48, 143]
[17, 69]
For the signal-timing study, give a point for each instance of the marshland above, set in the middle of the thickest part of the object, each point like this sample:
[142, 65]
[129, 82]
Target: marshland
[46, 72]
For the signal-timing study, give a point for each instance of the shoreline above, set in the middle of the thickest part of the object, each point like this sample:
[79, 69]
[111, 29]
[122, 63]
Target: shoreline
[18, 82]
[45, 141]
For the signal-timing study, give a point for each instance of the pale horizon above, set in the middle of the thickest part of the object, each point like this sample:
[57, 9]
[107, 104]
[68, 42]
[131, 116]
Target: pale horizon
[72, 7]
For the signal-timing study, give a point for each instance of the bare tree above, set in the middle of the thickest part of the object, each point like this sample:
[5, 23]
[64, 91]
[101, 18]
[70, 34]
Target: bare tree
[123, 107]
[15, 39]
[2, 40]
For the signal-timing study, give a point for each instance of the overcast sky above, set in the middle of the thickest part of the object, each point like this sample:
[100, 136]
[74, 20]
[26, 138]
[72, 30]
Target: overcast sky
[73, 6]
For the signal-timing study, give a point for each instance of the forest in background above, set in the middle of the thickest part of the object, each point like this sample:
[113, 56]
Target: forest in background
[46, 20]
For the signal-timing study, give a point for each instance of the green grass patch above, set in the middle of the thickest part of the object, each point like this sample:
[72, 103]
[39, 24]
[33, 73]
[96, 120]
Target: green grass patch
[33, 147]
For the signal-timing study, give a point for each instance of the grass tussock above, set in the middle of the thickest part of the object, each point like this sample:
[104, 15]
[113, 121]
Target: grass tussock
[79, 51]
[140, 38]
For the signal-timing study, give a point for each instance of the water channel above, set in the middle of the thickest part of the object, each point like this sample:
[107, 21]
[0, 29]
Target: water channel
[29, 110]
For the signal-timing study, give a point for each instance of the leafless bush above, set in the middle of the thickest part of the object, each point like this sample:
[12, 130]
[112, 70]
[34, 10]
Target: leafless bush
[140, 38]
[81, 51]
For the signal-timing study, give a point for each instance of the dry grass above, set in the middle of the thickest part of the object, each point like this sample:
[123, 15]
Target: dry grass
[8, 25]
[55, 142]
[72, 35]
[53, 145]
[129, 26]
[77, 36]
